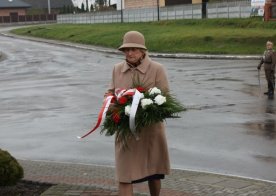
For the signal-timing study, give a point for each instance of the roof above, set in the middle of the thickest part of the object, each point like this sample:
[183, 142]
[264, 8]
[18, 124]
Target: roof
[13, 4]
[44, 3]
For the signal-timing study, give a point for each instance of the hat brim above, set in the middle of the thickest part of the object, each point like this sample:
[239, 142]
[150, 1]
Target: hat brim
[131, 45]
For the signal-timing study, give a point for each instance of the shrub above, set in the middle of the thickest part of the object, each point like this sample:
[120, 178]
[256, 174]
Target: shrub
[10, 170]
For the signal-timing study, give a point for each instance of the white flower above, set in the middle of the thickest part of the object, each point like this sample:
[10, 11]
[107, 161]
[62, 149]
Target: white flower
[154, 90]
[159, 99]
[127, 110]
[146, 102]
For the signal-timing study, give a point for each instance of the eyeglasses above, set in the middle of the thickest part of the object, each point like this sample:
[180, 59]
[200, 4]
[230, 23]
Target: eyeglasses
[130, 49]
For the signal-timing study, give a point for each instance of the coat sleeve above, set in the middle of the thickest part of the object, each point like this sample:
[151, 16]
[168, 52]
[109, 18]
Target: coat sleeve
[111, 88]
[162, 79]
[261, 62]
[273, 60]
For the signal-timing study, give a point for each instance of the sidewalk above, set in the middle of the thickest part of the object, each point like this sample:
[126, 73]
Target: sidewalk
[90, 180]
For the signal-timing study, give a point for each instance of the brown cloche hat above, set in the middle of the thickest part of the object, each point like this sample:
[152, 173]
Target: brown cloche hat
[133, 39]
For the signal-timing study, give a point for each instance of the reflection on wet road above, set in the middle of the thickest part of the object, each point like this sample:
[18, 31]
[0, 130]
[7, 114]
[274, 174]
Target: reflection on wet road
[50, 94]
[267, 126]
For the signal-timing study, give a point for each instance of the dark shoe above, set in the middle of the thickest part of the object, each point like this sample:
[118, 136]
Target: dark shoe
[266, 93]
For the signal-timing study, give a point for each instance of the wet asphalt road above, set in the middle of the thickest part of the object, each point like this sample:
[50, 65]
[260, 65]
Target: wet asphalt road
[51, 94]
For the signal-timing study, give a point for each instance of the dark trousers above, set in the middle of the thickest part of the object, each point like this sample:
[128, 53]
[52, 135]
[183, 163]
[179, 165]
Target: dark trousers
[270, 77]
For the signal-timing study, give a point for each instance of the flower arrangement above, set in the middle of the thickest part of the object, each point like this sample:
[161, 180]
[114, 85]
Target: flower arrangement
[125, 119]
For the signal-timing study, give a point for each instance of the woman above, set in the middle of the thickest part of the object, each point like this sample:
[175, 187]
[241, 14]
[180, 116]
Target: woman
[145, 159]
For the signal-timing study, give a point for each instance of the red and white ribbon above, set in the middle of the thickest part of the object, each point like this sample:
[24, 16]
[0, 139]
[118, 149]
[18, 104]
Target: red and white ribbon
[101, 115]
[133, 109]
[123, 92]
[119, 93]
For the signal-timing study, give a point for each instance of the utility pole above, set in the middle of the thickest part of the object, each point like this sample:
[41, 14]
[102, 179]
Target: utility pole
[87, 8]
[158, 11]
[122, 16]
[204, 8]
[49, 7]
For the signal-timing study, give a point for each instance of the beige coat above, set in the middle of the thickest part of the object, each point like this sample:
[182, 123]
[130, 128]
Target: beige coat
[149, 154]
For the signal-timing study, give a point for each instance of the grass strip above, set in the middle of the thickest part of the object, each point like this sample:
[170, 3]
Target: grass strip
[209, 36]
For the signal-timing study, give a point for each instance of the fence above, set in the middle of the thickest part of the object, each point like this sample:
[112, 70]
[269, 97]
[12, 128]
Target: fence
[27, 19]
[135, 15]
[235, 9]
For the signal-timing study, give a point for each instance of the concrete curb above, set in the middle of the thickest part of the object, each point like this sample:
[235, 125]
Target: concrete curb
[152, 54]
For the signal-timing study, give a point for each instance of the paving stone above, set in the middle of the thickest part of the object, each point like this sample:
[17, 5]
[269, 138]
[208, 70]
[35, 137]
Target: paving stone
[207, 179]
[73, 192]
[234, 183]
[100, 181]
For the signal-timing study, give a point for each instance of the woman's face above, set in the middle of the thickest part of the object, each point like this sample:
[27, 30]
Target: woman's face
[133, 55]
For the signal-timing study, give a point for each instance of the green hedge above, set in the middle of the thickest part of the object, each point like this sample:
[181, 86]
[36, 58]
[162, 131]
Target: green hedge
[10, 170]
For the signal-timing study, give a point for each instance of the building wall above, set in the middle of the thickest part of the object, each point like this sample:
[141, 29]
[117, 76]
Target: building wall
[6, 12]
[181, 2]
[197, 1]
[128, 4]
[142, 3]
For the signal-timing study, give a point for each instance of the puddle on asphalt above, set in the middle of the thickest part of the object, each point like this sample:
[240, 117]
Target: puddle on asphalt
[266, 129]
[267, 126]
[204, 107]
[265, 158]
[253, 90]
[2, 56]
[225, 79]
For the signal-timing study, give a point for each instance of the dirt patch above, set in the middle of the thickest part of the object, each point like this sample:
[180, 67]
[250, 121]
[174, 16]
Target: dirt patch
[25, 188]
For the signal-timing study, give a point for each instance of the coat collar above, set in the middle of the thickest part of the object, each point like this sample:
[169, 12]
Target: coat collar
[142, 67]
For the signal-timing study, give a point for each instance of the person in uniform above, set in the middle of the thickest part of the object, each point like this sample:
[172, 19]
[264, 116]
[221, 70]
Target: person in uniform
[147, 158]
[268, 60]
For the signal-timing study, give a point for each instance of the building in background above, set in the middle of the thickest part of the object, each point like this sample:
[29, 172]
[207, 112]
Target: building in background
[41, 6]
[270, 10]
[13, 8]
[128, 4]
[181, 2]
[177, 2]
